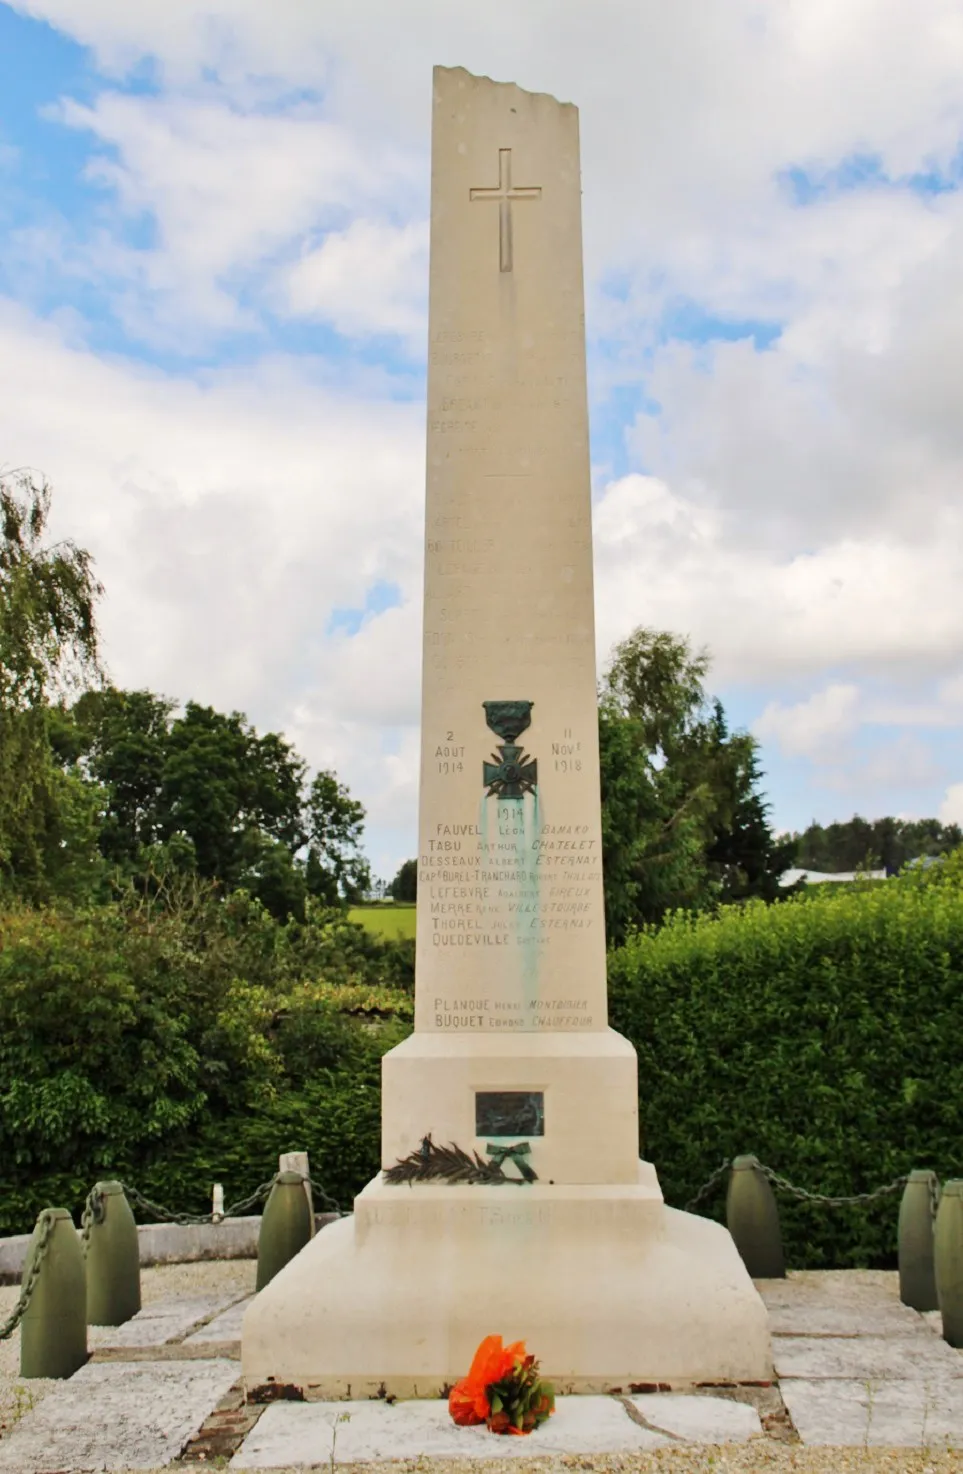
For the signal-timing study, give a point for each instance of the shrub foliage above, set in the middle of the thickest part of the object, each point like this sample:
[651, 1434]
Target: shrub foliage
[177, 1045]
[821, 1034]
[186, 1039]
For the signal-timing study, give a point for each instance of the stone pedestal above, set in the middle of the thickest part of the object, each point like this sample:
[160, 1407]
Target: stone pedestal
[608, 1286]
[586, 1082]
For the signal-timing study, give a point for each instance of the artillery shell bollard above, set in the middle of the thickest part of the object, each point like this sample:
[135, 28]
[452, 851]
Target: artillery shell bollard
[113, 1257]
[285, 1226]
[752, 1217]
[53, 1331]
[917, 1276]
[948, 1260]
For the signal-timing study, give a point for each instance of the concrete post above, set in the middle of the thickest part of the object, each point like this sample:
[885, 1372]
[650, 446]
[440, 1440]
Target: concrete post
[113, 1259]
[917, 1275]
[53, 1332]
[752, 1216]
[298, 1162]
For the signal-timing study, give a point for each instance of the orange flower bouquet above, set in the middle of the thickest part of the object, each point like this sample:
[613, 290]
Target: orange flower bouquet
[503, 1390]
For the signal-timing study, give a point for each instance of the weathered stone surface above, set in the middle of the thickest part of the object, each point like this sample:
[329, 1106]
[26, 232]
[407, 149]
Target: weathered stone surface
[114, 1415]
[902, 1414]
[699, 1419]
[866, 1358]
[162, 1322]
[806, 1319]
[289, 1434]
[224, 1327]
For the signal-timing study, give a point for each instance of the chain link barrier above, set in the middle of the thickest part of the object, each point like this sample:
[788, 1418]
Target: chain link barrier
[319, 1195]
[138, 1200]
[825, 1199]
[45, 1228]
[707, 1186]
[95, 1209]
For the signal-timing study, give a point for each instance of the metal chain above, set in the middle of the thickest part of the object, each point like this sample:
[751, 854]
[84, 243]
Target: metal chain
[94, 1210]
[828, 1201]
[257, 1196]
[45, 1226]
[139, 1200]
[708, 1186]
[318, 1192]
[800, 1192]
[94, 1206]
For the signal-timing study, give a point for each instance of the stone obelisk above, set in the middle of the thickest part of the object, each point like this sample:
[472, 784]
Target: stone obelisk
[512, 1059]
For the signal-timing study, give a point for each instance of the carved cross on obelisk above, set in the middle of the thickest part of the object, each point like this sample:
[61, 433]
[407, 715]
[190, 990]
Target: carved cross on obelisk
[504, 194]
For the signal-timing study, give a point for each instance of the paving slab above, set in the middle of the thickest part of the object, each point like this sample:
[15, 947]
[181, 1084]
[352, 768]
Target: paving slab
[921, 1415]
[699, 1419]
[837, 1285]
[296, 1433]
[162, 1322]
[117, 1415]
[224, 1327]
[805, 1318]
[866, 1358]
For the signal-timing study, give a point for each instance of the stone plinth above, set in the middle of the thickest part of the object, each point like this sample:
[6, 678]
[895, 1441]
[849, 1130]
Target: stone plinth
[608, 1285]
[587, 1083]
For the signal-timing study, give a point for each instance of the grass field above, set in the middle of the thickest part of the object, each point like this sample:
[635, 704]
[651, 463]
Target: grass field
[385, 921]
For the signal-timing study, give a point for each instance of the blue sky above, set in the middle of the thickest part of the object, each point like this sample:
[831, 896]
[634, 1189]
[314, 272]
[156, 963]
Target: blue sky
[213, 272]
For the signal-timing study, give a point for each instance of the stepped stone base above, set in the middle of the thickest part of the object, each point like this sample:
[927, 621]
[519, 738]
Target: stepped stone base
[609, 1288]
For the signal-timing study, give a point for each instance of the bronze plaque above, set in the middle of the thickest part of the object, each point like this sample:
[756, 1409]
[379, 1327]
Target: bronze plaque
[509, 1113]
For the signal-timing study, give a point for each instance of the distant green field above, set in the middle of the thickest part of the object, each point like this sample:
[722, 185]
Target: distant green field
[385, 921]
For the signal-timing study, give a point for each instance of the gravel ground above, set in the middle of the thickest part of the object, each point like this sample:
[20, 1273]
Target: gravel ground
[847, 1286]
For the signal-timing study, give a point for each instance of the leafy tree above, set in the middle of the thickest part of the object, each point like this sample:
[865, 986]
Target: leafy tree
[404, 887]
[48, 645]
[228, 789]
[121, 738]
[682, 823]
[887, 843]
[652, 831]
[204, 791]
[336, 870]
[744, 855]
[655, 679]
[274, 877]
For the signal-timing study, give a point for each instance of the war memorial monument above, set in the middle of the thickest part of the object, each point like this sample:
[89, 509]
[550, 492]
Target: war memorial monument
[563, 1238]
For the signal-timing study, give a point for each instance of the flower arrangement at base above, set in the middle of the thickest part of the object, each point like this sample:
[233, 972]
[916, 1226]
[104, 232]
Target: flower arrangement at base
[503, 1390]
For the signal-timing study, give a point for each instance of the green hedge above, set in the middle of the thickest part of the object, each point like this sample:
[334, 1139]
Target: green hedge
[821, 1034]
[178, 1049]
[175, 1050]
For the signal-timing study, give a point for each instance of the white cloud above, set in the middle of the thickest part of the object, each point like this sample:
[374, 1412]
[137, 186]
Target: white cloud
[665, 560]
[228, 195]
[370, 279]
[814, 727]
[951, 809]
[228, 517]
[800, 510]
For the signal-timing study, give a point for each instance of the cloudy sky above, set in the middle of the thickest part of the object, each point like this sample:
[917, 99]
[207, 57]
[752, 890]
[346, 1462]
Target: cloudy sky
[213, 272]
